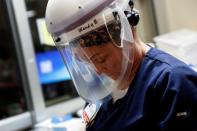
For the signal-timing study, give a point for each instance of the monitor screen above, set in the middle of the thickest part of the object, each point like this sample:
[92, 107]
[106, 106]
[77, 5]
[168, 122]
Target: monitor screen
[51, 67]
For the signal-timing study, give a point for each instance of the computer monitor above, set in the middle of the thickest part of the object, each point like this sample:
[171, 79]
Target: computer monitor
[57, 86]
[56, 83]
[51, 68]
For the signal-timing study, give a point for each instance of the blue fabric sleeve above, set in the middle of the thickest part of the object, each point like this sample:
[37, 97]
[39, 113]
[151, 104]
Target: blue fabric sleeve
[176, 93]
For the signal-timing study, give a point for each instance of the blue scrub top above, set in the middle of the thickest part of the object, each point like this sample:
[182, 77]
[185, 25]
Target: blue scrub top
[162, 96]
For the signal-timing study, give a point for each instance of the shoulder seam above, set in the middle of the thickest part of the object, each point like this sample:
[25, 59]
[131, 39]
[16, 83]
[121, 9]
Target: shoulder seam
[152, 58]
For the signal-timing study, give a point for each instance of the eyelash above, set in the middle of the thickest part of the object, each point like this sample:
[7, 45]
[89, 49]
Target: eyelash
[100, 59]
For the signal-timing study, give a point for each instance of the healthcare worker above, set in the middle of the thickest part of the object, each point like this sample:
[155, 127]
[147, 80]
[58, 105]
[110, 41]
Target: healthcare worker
[127, 84]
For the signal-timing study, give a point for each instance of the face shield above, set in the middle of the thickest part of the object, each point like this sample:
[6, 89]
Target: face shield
[98, 54]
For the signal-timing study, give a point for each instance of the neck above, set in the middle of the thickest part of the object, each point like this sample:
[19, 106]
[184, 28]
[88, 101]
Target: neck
[140, 49]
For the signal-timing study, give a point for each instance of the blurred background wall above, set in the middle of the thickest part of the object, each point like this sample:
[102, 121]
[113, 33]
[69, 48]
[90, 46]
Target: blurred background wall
[172, 15]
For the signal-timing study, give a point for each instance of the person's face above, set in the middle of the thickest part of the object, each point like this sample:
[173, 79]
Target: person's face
[106, 58]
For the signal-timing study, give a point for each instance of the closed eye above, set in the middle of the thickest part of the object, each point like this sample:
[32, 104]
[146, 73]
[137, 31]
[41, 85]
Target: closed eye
[98, 58]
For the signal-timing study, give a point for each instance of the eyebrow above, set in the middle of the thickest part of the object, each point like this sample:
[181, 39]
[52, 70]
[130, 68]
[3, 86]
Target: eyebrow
[93, 56]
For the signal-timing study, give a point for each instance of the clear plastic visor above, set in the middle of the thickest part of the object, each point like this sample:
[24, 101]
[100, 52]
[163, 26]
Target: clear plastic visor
[98, 61]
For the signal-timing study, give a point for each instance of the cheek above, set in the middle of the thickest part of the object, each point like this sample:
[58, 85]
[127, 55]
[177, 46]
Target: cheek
[113, 69]
[115, 64]
[117, 57]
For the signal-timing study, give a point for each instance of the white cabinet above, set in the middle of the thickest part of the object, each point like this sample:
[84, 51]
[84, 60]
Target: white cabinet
[182, 44]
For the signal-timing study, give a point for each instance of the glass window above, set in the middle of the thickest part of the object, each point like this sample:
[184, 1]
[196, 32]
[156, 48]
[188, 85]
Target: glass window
[54, 79]
[12, 98]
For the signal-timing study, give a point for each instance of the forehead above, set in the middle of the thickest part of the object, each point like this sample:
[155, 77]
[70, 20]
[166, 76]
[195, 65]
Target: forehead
[86, 54]
[88, 51]
[104, 48]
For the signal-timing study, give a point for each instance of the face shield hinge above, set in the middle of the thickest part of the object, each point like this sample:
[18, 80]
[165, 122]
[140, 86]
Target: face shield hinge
[58, 39]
